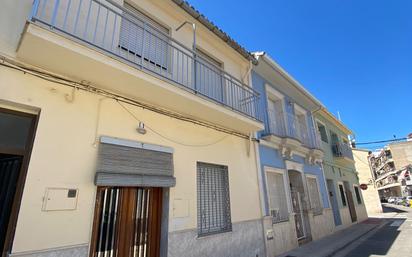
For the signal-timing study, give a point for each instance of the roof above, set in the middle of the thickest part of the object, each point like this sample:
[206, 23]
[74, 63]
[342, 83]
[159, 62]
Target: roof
[215, 29]
[287, 76]
[303, 90]
[327, 114]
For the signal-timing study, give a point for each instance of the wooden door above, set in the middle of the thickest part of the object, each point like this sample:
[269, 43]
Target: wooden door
[127, 222]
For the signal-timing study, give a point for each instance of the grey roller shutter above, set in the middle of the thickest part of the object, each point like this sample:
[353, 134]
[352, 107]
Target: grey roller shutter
[129, 163]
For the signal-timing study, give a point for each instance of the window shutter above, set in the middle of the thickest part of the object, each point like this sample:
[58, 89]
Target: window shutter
[313, 189]
[140, 33]
[129, 163]
[277, 197]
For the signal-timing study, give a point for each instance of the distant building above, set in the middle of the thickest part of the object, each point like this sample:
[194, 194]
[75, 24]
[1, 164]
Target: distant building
[391, 169]
[370, 195]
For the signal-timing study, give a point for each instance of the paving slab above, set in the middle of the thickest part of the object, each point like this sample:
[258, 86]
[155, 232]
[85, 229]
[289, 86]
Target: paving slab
[329, 245]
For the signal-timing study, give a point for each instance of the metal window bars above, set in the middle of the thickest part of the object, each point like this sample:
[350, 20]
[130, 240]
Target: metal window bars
[213, 203]
[117, 31]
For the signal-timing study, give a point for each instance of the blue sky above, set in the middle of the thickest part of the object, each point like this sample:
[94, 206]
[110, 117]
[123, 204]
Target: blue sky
[354, 55]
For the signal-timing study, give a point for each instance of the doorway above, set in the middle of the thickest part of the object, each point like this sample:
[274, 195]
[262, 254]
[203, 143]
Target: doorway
[351, 204]
[300, 207]
[127, 222]
[16, 140]
[334, 202]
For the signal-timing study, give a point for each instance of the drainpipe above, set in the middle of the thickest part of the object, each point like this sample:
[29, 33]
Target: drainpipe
[247, 74]
[261, 192]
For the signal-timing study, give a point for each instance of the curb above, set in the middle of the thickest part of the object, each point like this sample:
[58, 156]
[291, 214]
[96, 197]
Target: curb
[354, 239]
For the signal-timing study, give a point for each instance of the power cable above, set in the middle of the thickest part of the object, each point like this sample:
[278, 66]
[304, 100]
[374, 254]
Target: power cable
[168, 138]
[88, 88]
[382, 141]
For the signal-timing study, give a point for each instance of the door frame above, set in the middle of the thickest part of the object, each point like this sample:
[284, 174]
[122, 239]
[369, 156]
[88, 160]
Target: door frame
[155, 212]
[21, 181]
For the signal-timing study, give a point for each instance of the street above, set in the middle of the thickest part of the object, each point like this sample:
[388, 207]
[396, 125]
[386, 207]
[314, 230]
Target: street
[393, 239]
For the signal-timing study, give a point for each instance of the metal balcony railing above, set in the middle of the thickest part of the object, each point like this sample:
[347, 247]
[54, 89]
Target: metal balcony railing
[302, 132]
[119, 33]
[342, 150]
[293, 128]
[276, 124]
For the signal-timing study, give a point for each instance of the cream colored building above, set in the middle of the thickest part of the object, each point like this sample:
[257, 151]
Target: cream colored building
[116, 120]
[370, 195]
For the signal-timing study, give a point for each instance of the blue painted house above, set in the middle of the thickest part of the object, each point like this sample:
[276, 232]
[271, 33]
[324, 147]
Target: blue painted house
[294, 197]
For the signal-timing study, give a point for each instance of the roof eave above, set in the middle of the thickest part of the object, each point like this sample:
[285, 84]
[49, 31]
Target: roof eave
[216, 30]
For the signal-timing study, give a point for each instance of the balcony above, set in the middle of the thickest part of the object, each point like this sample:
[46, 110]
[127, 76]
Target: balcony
[292, 135]
[113, 49]
[342, 152]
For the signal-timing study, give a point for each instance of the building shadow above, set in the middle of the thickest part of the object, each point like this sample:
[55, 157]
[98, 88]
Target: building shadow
[381, 242]
[391, 208]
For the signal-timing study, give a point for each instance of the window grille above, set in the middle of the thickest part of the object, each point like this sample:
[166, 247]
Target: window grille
[277, 197]
[213, 202]
[342, 195]
[314, 196]
[358, 197]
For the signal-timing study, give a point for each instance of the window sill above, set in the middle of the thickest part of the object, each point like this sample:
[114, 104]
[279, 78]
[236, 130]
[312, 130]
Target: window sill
[199, 237]
[280, 222]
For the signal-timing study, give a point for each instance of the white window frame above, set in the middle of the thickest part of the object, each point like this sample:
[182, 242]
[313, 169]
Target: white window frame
[283, 172]
[326, 130]
[360, 195]
[300, 111]
[344, 194]
[274, 95]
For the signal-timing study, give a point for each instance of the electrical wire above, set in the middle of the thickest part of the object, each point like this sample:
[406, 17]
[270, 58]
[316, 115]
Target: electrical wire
[168, 138]
[88, 88]
[383, 141]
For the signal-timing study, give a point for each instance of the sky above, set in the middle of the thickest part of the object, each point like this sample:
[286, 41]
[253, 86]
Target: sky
[355, 56]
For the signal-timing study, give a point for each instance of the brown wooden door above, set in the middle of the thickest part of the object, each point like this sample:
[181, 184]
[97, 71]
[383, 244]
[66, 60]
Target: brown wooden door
[127, 222]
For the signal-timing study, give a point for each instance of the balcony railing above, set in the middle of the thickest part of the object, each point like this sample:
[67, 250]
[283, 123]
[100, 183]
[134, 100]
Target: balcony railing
[293, 129]
[118, 32]
[342, 150]
[276, 124]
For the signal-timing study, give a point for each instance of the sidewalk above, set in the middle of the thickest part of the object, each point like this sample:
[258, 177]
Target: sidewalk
[329, 245]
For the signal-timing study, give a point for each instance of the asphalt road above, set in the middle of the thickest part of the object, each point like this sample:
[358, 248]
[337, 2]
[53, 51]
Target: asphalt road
[394, 239]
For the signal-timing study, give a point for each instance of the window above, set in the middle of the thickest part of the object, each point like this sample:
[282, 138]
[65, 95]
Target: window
[275, 117]
[278, 206]
[358, 196]
[213, 203]
[314, 195]
[141, 34]
[322, 132]
[342, 195]
[209, 79]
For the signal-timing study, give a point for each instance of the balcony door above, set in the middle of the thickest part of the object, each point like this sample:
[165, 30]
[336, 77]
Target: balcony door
[275, 116]
[127, 222]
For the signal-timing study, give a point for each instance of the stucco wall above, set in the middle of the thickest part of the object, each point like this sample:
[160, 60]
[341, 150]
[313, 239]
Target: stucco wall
[64, 155]
[370, 195]
[284, 236]
[322, 225]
